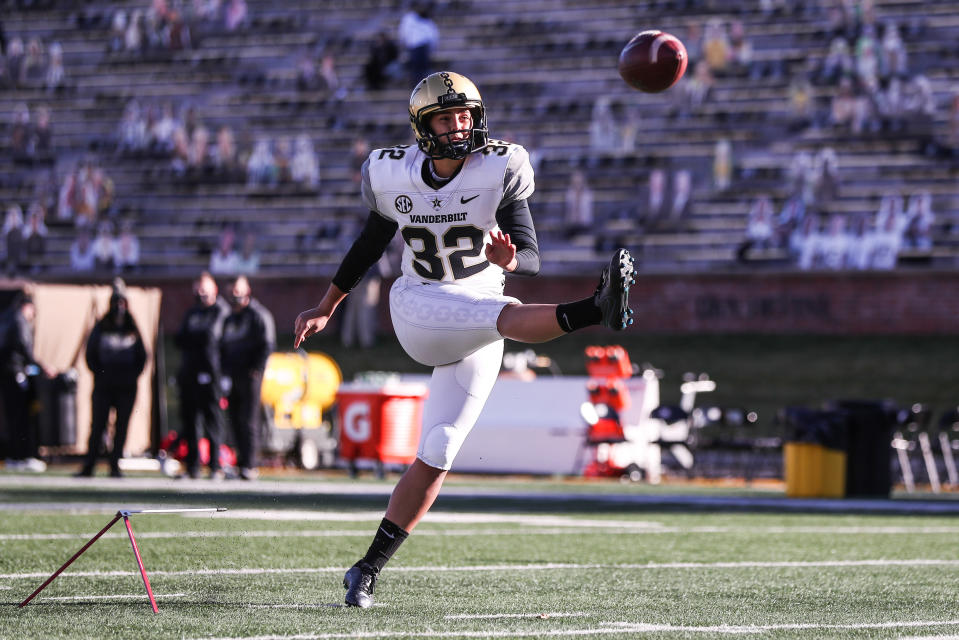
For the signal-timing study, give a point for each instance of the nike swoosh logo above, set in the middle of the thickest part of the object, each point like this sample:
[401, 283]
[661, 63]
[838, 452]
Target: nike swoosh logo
[391, 537]
[465, 200]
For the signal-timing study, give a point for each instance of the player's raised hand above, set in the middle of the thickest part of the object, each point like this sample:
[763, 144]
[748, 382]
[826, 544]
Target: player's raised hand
[501, 251]
[307, 323]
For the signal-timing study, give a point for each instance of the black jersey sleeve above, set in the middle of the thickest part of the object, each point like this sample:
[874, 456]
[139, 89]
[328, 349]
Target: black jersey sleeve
[515, 219]
[366, 250]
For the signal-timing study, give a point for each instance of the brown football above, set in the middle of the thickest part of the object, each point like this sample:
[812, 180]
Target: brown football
[653, 61]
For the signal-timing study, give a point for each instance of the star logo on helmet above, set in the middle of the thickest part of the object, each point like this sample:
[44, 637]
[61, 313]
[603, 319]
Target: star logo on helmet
[437, 203]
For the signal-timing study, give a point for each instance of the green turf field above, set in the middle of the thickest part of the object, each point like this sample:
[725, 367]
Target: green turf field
[486, 567]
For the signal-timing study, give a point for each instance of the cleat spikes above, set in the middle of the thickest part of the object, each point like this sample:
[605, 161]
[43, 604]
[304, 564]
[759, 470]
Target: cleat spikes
[612, 294]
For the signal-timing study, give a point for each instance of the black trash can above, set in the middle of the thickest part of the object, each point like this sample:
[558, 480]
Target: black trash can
[58, 409]
[869, 429]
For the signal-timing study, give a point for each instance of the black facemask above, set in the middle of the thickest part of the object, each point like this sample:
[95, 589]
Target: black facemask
[202, 300]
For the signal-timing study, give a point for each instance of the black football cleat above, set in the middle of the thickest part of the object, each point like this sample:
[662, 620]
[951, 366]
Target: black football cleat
[612, 294]
[359, 582]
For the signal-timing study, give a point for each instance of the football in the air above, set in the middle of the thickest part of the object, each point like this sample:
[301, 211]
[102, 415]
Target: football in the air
[652, 61]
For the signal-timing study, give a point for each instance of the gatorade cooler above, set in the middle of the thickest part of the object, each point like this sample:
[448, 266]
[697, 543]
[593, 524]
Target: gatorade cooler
[380, 423]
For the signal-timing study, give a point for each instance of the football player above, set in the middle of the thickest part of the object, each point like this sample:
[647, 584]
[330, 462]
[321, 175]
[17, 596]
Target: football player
[459, 201]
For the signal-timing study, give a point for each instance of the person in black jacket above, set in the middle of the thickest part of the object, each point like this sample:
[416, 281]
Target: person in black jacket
[199, 376]
[249, 336]
[116, 357]
[17, 364]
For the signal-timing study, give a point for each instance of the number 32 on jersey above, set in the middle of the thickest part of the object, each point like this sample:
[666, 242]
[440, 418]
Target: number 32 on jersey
[430, 264]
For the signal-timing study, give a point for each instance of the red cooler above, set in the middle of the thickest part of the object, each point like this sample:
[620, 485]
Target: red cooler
[380, 422]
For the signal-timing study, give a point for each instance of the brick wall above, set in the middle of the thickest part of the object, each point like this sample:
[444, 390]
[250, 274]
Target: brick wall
[848, 303]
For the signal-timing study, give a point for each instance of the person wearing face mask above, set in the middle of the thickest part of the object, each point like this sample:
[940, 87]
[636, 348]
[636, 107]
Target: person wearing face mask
[198, 340]
[249, 336]
[116, 356]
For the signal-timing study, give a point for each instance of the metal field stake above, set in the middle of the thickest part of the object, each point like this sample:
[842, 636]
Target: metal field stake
[125, 514]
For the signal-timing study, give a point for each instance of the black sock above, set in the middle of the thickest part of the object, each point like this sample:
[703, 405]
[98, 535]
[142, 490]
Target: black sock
[387, 540]
[578, 315]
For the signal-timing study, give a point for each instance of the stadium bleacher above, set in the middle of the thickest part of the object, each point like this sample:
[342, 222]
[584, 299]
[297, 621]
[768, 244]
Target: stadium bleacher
[540, 66]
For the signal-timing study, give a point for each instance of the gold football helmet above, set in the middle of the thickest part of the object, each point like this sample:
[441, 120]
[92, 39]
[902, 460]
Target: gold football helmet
[438, 92]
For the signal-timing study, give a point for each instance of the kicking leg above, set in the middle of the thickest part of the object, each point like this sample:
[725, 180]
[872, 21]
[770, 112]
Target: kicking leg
[609, 306]
[530, 323]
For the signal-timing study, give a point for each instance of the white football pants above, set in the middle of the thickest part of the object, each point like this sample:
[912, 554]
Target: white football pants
[440, 323]
[452, 329]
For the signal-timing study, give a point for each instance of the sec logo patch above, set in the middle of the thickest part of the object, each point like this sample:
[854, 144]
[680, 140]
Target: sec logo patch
[403, 204]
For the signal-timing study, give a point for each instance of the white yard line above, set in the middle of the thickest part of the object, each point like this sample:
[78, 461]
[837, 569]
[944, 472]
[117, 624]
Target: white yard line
[495, 616]
[320, 605]
[292, 606]
[604, 629]
[435, 518]
[575, 522]
[131, 596]
[797, 626]
[556, 528]
[364, 533]
[512, 568]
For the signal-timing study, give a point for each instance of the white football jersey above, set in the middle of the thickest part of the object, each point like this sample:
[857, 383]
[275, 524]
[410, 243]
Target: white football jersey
[445, 230]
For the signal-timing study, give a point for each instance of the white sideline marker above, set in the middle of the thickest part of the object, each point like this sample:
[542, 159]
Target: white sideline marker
[610, 628]
[552, 566]
[125, 514]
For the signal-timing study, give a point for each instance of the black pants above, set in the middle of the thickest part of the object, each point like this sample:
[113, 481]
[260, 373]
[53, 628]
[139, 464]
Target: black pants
[103, 399]
[200, 403]
[244, 412]
[16, 409]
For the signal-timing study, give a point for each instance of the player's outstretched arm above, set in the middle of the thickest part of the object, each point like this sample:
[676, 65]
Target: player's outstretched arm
[314, 320]
[366, 250]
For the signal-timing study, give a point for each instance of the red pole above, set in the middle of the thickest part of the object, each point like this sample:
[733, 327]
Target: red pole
[75, 556]
[143, 572]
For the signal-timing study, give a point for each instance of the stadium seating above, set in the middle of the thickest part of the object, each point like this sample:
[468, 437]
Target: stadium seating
[540, 65]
